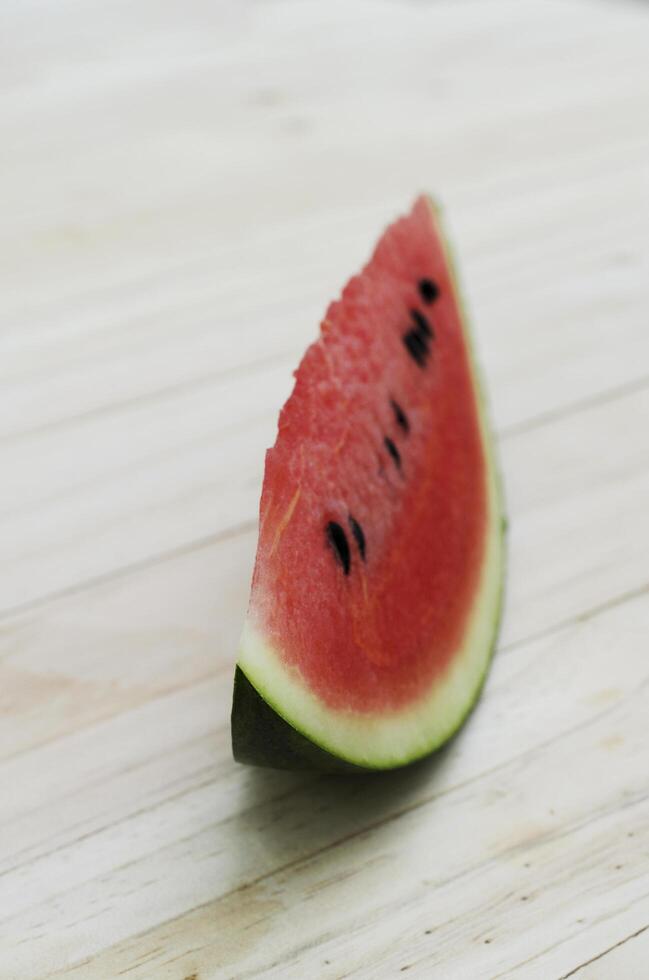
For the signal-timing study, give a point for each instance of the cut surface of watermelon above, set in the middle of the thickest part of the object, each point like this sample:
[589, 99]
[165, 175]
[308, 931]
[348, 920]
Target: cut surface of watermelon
[377, 583]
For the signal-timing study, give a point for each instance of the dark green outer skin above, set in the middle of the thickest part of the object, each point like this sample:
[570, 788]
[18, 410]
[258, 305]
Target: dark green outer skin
[261, 737]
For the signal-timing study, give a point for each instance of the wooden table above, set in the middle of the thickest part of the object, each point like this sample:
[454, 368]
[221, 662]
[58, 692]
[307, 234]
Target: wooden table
[184, 186]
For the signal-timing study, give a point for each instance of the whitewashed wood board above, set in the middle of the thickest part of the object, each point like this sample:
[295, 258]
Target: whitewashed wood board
[184, 187]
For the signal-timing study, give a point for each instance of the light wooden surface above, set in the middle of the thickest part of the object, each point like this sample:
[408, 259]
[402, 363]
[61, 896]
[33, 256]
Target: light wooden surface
[183, 187]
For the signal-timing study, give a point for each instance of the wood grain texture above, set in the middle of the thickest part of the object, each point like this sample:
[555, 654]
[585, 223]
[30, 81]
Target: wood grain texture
[184, 187]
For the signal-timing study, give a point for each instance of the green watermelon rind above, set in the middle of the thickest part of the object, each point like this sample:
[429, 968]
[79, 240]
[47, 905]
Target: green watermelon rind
[261, 736]
[278, 722]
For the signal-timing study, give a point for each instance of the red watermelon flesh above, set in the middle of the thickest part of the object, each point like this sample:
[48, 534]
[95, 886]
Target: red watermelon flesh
[378, 505]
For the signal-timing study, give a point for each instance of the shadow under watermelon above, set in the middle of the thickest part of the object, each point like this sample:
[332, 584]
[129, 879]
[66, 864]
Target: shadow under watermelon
[344, 822]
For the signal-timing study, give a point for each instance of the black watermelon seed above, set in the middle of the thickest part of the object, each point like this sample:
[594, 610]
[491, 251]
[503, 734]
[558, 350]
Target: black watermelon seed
[428, 290]
[400, 415]
[417, 347]
[338, 541]
[392, 449]
[359, 537]
[423, 326]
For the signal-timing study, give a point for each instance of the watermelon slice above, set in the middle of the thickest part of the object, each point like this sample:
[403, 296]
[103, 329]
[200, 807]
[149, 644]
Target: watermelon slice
[377, 585]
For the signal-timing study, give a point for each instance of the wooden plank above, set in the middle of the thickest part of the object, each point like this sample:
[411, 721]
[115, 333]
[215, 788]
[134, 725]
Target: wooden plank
[514, 786]
[461, 841]
[156, 338]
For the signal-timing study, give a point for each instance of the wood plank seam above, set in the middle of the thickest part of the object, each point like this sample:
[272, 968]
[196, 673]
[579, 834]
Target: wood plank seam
[577, 969]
